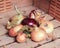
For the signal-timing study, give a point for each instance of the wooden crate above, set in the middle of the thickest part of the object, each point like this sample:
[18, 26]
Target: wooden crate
[26, 5]
[54, 9]
[42, 4]
[8, 5]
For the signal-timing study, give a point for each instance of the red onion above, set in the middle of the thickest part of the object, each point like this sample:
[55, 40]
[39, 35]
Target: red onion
[32, 14]
[29, 22]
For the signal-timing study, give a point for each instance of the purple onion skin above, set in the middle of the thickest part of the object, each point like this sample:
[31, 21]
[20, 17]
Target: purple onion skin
[30, 22]
[31, 12]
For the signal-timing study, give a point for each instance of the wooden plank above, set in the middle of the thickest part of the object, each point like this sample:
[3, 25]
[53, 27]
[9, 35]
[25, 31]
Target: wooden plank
[56, 32]
[4, 21]
[17, 45]
[5, 39]
[54, 44]
[27, 44]
[2, 30]
[56, 23]
[34, 44]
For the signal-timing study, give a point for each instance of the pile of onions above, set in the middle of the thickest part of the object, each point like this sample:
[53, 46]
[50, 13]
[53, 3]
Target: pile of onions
[34, 27]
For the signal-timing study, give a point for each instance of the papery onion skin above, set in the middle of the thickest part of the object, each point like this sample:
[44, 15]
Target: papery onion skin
[38, 36]
[47, 26]
[32, 14]
[21, 37]
[14, 31]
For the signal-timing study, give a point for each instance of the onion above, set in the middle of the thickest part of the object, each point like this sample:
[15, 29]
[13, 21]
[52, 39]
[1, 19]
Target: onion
[35, 14]
[14, 31]
[38, 34]
[21, 37]
[32, 14]
[47, 26]
[29, 21]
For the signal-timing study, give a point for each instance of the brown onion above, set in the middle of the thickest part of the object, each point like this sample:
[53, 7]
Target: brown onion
[38, 35]
[47, 26]
[14, 31]
[21, 37]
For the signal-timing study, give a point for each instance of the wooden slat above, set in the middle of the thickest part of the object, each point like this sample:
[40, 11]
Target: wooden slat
[55, 23]
[2, 30]
[27, 44]
[56, 32]
[54, 44]
[5, 40]
[17, 45]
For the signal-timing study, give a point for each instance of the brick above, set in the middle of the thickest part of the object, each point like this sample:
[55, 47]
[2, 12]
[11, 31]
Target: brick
[5, 39]
[2, 30]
